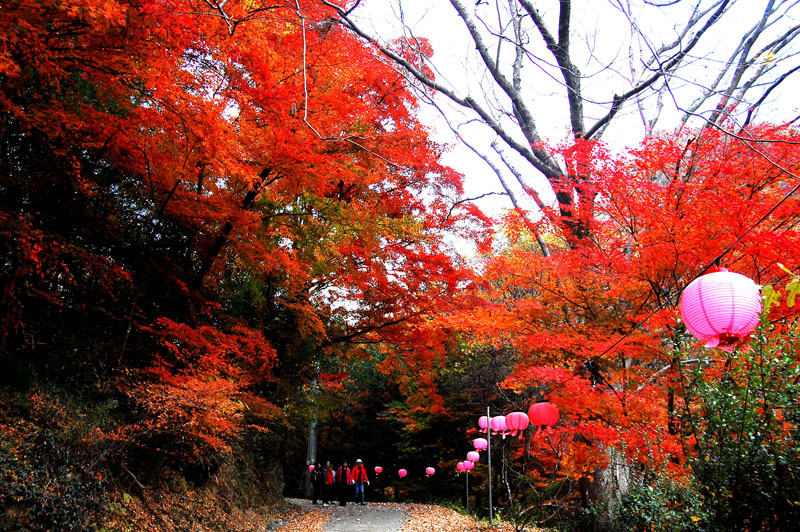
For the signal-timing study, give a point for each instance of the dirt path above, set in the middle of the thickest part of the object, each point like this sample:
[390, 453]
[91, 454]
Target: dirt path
[372, 517]
[367, 518]
[381, 517]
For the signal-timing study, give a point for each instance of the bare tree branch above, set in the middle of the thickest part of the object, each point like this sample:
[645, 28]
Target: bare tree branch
[522, 49]
[662, 71]
[537, 157]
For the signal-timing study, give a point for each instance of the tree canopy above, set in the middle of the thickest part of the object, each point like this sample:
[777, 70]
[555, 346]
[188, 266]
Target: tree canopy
[222, 222]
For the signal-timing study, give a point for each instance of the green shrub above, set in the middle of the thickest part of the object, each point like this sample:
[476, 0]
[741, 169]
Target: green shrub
[47, 487]
[740, 420]
[655, 502]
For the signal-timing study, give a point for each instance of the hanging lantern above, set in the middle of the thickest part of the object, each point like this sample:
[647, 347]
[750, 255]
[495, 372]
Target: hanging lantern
[498, 424]
[480, 444]
[517, 422]
[483, 423]
[720, 308]
[402, 473]
[429, 471]
[378, 470]
[468, 466]
[473, 456]
[460, 467]
[543, 415]
[311, 468]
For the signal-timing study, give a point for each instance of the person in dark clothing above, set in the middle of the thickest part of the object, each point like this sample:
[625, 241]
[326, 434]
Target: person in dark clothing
[330, 483]
[343, 482]
[317, 483]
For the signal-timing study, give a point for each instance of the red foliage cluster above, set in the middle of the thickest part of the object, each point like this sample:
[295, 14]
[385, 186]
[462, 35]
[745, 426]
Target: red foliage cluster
[223, 184]
[591, 324]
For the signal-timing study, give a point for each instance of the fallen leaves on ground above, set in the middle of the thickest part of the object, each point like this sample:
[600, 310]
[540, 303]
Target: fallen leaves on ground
[193, 510]
[313, 521]
[430, 518]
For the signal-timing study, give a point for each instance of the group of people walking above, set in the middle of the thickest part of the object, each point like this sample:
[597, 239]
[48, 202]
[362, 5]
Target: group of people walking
[342, 482]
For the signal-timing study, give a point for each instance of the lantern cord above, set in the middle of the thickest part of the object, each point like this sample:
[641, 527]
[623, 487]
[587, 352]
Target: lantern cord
[756, 224]
[716, 261]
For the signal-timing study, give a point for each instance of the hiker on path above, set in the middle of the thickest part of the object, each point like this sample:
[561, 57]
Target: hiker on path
[330, 479]
[360, 479]
[344, 480]
[318, 483]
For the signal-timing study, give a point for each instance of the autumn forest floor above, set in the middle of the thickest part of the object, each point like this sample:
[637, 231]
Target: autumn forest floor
[380, 517]
[194, 511]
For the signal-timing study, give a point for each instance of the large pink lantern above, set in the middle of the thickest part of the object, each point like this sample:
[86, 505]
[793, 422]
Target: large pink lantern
[311, 468]
[460, 467]
[480, 444]
[498, 424]
[720, 308]
[543, 415]
[517, 422]
[402, 473]
[468, 466]
[378, 470]
[473, 456]
[483, 423]
[429, 471]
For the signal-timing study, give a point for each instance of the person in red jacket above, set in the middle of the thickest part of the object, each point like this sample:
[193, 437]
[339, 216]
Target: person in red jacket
[330, 478]
[344, 480]
[360, 479]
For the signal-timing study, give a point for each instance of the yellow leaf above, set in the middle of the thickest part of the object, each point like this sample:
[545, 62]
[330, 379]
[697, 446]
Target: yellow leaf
[770, 295]
[793, 288]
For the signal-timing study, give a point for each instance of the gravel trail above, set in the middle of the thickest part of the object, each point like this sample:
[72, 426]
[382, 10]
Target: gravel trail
[371, 517]
[367, 518]
[385, 517]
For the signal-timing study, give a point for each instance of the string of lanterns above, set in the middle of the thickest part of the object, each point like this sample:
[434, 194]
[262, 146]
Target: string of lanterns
[540, 415]
[719, 308]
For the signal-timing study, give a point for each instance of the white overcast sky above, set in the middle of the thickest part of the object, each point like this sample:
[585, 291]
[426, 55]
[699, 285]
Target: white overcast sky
[598, 26]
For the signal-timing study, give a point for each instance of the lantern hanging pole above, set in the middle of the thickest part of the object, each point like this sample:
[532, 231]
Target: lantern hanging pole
[489, 455]
[467, 490]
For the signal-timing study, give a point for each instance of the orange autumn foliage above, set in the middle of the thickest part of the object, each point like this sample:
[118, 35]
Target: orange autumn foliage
[223, 186]
[591, 325]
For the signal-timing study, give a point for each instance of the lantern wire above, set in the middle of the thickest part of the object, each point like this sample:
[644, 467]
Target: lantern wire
[592, 364]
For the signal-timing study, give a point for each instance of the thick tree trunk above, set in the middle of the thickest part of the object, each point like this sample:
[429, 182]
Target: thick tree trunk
[311, 454]
[610, 484]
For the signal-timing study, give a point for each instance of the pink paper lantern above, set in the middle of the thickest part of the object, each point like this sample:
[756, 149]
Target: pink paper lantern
[473, 456]
[429, 471]
[378, 470]
[460, 467]
[498, 424]
[483, 423]
[311, 468]
[480, 444]
[543, 415]
[402, 473]
[720, 308]
[517, 422]
[468, 466]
